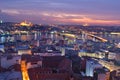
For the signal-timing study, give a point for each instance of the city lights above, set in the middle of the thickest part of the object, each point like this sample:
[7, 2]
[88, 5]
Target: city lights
[60, 40]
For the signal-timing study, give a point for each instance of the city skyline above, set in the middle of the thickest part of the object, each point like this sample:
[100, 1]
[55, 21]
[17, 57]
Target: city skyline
[91, 12]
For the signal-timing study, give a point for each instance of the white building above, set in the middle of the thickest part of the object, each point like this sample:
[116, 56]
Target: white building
[12, 75]
[24, 51]
[90, 66]
[7, 61]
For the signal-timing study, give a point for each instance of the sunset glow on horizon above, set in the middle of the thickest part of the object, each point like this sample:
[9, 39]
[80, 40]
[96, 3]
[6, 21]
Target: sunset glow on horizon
[91, 12]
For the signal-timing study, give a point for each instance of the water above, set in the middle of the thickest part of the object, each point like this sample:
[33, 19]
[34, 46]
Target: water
[27, 37]
[111, 37]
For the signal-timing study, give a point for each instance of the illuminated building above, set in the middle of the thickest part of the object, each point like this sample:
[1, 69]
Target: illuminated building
[1, 21]
[90, 66]
[85, 24]
[110, 65]
[24, 51]
[25, 23]
[94, 55]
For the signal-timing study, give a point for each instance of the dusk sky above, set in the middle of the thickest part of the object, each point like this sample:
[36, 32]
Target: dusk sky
[104, 12]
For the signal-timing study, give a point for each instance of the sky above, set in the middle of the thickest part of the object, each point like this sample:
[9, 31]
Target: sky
[93, 12]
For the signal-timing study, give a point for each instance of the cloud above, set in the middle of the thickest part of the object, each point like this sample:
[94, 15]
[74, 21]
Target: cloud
[10, 11]
[6, 17]
[90, 21]
[53, 17]
[63, 11]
